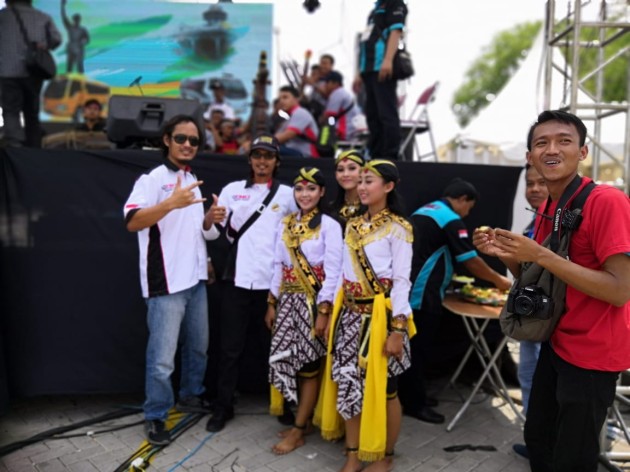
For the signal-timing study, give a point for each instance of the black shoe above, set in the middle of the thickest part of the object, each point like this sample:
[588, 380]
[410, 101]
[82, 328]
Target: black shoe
[521, 450]
[217, 421]
[157, 433]
[431, 402]
[287, 417]
[193, 405]
[427, 414]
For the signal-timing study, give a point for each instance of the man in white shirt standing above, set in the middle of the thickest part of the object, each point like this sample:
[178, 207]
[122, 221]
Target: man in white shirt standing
[165, 208]
[251, 222]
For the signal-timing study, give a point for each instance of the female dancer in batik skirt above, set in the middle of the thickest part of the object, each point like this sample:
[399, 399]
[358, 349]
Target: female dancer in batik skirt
[307, 267]
[347, 172]
[371, 330]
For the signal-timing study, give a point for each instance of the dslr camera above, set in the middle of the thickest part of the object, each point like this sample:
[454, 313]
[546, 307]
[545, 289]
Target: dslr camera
[530, 302]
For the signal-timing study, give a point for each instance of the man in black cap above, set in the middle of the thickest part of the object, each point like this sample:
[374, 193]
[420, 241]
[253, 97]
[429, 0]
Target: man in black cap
[253, 209]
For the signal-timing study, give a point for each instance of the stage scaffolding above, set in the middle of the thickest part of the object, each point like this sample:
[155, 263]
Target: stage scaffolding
[572, 33]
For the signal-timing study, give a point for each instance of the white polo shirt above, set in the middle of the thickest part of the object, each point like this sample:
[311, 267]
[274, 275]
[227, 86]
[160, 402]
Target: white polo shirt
[254, 259]
[173, 253]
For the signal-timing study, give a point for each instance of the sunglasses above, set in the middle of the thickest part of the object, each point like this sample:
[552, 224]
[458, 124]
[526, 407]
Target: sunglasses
[182, 138]
[263, 154]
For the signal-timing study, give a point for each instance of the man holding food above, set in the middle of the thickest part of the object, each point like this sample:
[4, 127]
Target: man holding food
[440, 240]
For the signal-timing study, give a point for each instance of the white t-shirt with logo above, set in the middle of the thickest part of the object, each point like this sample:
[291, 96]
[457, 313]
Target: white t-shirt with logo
[254, 259]
[173, 253]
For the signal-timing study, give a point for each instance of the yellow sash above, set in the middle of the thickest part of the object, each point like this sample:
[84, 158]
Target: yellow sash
[326, 417]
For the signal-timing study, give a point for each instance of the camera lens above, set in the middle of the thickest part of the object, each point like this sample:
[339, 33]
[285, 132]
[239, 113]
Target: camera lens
[524, 305]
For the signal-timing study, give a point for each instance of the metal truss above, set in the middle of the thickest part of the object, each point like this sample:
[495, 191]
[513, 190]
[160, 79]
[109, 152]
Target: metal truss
[610, 23]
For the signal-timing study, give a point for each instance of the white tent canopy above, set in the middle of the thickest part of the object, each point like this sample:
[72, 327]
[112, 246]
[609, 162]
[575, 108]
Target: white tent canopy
[498, 134]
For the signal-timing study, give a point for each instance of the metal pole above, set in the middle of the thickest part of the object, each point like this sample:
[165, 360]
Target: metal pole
[549, 22]
[575, 56]
[626, 148]
[599, 93]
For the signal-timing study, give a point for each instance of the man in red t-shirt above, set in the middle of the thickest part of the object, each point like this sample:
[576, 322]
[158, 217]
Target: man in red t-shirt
[575, 379]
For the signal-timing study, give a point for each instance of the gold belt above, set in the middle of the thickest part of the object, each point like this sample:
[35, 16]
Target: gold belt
[291, 287]
[358, 304]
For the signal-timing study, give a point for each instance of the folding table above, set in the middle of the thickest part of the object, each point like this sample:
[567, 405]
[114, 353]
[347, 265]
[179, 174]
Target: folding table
[476, 319]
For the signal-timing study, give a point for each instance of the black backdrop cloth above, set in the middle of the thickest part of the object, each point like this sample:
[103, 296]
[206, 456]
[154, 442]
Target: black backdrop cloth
[72, 315]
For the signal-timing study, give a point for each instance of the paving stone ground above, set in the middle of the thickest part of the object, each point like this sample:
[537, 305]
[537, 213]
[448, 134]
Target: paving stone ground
[244, 445]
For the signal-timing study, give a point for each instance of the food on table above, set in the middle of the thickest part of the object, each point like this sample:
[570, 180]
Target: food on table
[483, 296]
[462, 279]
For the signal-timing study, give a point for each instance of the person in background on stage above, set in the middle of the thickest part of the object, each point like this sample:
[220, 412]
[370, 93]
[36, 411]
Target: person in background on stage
[297, 135]
[340, 106]
[212, 118]
[225, 138]
[165, 208]
[20, 91]
[378, 46]
[536, 194]
[348, 174]
[220, 101]
[307, 265]
[317, 97]
[576, 376]
[369, 336]
[92, 119]
[250, 267]
[441, 240]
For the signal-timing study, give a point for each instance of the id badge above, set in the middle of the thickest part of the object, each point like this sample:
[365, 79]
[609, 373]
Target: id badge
[367, 33]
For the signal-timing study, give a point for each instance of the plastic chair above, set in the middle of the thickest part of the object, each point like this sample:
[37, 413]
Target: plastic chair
[418, 123]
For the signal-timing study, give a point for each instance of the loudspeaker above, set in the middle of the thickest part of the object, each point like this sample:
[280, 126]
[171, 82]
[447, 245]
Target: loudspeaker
[132, 119]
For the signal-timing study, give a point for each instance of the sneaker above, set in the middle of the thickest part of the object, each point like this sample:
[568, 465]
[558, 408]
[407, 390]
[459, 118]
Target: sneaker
[157, 433]
[193, 405]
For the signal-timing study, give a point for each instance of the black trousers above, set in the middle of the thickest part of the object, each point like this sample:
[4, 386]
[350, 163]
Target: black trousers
[381, 113]
[567, 409]
[242, 326]
[411, 384]
[21, 94]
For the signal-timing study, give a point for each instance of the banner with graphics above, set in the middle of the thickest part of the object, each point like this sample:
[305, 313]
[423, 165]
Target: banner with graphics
[154, 47]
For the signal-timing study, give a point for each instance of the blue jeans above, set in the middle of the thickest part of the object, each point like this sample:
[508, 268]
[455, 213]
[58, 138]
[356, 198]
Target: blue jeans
[528, 358]
[177, 318]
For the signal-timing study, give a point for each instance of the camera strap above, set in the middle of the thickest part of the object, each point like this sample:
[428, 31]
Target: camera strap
[554, 243]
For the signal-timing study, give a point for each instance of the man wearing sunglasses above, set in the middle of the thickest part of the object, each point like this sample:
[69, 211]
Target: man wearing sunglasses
[250, 211]
[165, 208]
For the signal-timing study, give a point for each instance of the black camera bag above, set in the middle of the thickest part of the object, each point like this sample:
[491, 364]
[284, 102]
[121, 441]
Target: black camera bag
[530, 328]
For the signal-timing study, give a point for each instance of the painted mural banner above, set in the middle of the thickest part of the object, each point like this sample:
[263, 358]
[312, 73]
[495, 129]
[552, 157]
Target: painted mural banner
[154, 48]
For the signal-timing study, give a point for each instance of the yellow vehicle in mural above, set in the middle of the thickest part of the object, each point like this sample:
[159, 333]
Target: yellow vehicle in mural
[65, 95]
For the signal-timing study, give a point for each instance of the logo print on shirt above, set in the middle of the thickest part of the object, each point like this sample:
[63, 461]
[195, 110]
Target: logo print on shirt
[241, 198]
[168, 187]
[462, 233]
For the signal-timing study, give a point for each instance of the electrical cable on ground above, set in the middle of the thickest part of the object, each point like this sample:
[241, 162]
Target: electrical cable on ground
[100, 431]
[9, 448]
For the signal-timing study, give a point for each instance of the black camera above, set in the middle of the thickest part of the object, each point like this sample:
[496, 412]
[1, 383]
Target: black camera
[530, 302]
